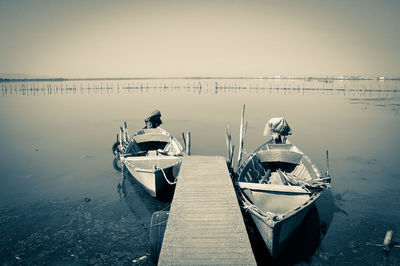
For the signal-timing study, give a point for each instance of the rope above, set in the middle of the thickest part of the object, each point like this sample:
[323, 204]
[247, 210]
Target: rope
[166, 207]
[165, 176]
[247, 206]
[127, 162]
[162, 170]
[164, 222]
[125, 146]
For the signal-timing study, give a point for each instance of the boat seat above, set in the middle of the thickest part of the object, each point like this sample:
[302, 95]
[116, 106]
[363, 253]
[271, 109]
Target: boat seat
[152, 153]
[149, 163]
[152, 130]
[152, 138]
[273, 188]
[284, 156]
[279, 146]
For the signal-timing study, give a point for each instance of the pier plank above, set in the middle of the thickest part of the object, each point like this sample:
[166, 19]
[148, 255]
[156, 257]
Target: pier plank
[205, 224]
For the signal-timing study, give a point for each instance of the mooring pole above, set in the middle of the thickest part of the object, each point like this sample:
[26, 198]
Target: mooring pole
[241, 137]
[188, 142]
[327, 164]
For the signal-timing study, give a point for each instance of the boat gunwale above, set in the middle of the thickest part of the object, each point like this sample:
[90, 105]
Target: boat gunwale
[160, 131]
[273, 188]
[145, 158]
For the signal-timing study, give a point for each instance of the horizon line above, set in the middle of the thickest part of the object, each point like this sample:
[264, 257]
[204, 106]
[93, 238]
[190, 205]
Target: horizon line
[342, 77]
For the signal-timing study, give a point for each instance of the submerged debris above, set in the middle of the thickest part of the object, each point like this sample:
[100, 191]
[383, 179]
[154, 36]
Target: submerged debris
[388, 244]
[140, 258]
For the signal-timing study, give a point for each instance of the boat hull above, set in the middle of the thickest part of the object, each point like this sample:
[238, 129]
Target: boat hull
[154, 180]
[152, 156]
[278, 235]
[277, 205]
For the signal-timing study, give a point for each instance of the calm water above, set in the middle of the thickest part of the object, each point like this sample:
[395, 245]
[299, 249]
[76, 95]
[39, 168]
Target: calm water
[56, 151]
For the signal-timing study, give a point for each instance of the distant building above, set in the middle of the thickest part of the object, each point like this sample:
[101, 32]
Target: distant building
[349, 77]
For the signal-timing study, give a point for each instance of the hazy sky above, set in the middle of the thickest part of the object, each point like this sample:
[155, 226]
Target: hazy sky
[199, 38]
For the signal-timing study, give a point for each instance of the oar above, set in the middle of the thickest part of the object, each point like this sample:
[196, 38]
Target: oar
[282, 176]
[267, 175]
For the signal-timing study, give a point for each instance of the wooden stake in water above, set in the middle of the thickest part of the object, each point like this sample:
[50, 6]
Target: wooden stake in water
[327, 164]
[184, 139]
[200, 87]
[120, 139]
[188, 142]
[122, 135]
[228, 139]
[126, 131]
[241, 137]
[386, 241]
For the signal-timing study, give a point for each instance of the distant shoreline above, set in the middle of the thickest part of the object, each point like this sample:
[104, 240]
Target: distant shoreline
[183, 78]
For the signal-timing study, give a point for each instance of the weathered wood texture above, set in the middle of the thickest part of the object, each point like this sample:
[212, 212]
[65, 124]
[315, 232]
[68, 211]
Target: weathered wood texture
[205, 225]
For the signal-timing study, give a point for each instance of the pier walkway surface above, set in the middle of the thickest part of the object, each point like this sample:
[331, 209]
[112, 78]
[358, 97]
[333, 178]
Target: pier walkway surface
[205, 224]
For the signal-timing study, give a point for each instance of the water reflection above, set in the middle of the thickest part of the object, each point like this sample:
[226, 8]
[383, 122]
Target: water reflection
[56, 151]
[138, 199]
[117, 164]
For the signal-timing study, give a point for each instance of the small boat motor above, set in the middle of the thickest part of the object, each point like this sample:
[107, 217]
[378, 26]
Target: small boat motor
[154, 119]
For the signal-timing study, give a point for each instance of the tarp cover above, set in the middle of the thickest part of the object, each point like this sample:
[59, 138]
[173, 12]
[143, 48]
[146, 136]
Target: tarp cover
[278, 126]
[154, 114]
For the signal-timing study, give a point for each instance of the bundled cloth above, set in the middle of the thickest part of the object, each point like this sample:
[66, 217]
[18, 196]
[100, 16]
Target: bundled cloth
[277, 126]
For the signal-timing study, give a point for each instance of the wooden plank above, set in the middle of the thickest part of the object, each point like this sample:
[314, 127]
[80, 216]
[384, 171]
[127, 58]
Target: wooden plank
[205, 225]
[279, 156]
[151, 137]
[280, 146]
[273, 188]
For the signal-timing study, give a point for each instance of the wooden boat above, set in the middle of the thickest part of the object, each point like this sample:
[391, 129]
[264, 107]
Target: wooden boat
[277, 184]
[153, 157]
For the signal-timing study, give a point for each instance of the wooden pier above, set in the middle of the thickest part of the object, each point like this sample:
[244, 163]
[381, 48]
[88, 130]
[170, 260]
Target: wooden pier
[205, 224]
